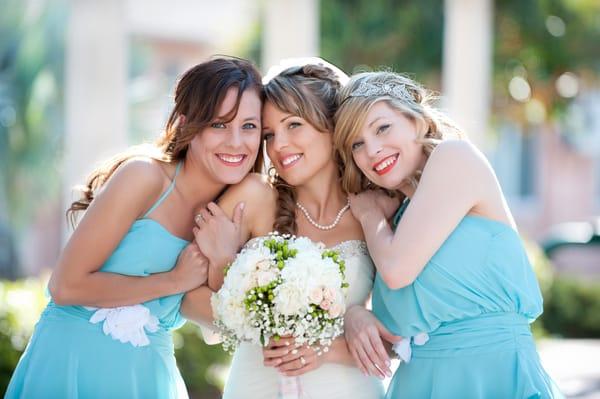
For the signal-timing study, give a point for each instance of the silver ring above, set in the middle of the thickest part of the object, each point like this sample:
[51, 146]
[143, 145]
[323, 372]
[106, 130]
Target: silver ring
[199, 218]
[302, 360]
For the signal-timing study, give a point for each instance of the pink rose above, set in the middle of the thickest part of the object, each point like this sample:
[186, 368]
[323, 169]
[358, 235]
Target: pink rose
[325, 304]
[328, 294]
[335, 310]
[316, 296]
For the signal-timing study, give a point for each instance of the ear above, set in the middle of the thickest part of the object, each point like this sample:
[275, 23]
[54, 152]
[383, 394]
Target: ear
[181, 120]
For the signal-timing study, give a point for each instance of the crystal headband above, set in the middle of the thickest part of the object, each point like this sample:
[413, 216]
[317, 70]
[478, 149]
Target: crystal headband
[382, 89]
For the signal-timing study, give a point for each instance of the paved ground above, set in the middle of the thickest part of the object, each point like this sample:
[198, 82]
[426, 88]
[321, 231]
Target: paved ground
[574, 364]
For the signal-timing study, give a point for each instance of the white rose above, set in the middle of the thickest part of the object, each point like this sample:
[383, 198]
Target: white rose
[304, 244]
[290, 299]
[265, 277]
[263, 264]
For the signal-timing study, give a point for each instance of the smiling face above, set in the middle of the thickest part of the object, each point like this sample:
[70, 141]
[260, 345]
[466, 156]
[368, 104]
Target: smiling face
[297, 149]
[386, 148]
[226, 151]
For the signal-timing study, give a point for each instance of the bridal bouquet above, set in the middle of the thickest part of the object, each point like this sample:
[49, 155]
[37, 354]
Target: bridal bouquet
[281, 286]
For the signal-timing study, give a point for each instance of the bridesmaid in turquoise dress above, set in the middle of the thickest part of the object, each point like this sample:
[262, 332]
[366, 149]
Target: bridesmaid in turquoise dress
[117, 287]
[453, 276]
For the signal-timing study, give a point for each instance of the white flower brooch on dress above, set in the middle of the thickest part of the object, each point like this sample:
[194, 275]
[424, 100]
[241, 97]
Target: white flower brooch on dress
[403, 348]
[127, 324]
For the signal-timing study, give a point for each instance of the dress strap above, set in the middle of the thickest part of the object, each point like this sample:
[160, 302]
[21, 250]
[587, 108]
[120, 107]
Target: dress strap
[166, 193]
[398, 215]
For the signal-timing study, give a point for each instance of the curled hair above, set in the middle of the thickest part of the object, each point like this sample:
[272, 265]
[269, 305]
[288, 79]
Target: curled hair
[310, 92]
[432, 126]
[198, 96]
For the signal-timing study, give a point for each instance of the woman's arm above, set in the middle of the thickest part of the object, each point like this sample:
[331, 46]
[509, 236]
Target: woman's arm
[76, 279]
[244, 211]
[453, 182]
[365, 336]
[220, 238]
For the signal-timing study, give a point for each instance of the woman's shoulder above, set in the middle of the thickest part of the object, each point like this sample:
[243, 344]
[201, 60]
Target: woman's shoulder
[144, 172]
[254, 186]
[459, 156]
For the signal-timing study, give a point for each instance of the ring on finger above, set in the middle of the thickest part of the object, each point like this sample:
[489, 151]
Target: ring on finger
[302, 360]
[199, 218]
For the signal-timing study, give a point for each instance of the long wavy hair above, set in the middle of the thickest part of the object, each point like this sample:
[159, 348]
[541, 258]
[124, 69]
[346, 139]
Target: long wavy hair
[311, 92]
[432, 125]
[198, 96]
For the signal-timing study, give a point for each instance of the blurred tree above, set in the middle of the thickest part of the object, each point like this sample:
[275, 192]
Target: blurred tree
[536, 39]
[31, 98]
[31, 117]
[402, 35]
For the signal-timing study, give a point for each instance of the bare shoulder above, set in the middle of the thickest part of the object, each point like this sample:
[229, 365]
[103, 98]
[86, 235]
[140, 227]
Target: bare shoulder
[458, 157]
[255, 190]
[139, 179]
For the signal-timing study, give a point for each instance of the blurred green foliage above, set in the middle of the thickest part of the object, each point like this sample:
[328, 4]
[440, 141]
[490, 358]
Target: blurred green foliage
[572, 308]
[32, 41]
[202, 366]
[535, 39]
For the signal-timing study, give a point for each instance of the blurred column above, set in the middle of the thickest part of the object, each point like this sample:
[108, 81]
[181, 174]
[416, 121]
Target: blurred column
[96, 88]
[467, 65]
[291, 29]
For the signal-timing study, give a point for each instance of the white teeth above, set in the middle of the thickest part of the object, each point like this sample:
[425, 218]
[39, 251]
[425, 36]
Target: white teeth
[290, 159]
[385, 164]
[231, 158]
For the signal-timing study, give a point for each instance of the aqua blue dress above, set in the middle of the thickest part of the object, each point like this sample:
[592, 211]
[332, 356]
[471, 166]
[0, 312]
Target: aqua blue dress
[475, 299]
[69, 357]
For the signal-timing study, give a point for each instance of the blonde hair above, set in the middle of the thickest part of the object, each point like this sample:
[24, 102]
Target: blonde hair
[409, 98]
[311, 92]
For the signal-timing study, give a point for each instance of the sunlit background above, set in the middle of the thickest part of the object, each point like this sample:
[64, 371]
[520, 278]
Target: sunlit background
[82, 79]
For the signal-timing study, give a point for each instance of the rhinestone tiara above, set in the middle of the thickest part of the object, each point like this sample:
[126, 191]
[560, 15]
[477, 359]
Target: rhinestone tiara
[382, 89]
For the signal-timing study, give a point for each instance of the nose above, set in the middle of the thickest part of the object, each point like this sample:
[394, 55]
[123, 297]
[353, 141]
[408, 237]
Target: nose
[373, 147]
[279, 141]
[236, 138]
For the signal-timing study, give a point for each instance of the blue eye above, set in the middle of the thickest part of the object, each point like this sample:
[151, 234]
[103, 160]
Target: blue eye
[294, 125]
[249, 125]
[356, 146]
[382, 128]
[217, 125]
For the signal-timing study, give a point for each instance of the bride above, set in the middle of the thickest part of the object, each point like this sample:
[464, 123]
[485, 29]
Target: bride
[303, 196]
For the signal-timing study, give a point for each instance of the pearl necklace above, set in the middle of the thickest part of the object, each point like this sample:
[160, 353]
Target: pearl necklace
[320, 226]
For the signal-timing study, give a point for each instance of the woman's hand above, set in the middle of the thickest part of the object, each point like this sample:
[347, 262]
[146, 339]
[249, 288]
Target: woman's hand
[289, 358]
[364, 335]
[191, 270]
[217, 236]
[373, 201]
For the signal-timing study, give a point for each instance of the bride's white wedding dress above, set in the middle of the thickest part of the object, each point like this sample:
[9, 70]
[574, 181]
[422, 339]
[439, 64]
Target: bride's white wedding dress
[249, 378]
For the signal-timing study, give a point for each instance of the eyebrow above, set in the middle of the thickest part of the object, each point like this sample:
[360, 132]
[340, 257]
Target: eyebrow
[287, 117]
[374, 120]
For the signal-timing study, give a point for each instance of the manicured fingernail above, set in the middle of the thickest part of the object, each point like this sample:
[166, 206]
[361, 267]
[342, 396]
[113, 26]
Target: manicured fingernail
[294, 351]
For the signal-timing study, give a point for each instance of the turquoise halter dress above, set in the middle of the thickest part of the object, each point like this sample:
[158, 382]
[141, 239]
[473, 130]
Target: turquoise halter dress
[474, 300]
[70, 357]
